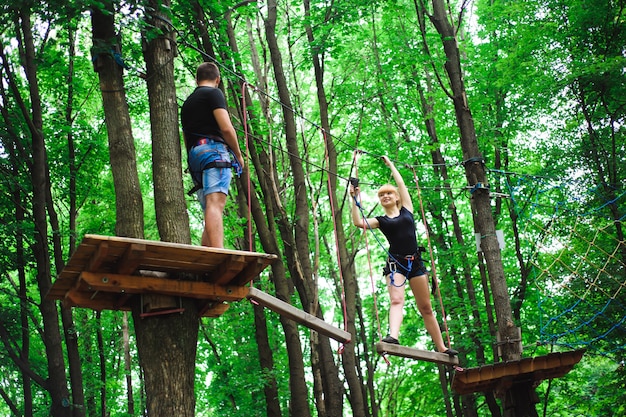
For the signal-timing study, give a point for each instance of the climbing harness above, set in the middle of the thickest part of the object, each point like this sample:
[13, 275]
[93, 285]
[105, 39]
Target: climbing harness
[196, 174]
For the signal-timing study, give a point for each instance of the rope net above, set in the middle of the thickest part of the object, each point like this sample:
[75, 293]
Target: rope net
[571, 239]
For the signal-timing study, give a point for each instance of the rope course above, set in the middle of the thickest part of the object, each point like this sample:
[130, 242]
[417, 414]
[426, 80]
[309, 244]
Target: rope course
[576, 262]
[574, 257]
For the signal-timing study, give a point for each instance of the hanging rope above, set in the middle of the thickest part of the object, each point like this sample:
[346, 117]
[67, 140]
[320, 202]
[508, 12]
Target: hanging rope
[432, 258]
[332, 209]
[249, 183]
[369, 257]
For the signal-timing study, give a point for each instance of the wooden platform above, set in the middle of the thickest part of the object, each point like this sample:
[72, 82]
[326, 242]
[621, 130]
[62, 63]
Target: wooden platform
[106, 272]
[500, 377]
[412, 353]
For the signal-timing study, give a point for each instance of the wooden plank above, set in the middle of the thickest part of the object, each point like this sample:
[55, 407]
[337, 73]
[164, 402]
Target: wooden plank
[299, 316]
[159, 256]
[412, 353]
[501, 375]
[141, 284]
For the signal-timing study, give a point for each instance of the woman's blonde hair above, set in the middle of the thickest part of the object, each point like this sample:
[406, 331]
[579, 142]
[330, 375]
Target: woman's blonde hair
[388, 187]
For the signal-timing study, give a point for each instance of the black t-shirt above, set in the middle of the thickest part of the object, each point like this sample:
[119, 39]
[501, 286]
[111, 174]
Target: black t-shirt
[196, 115]
[400, 232]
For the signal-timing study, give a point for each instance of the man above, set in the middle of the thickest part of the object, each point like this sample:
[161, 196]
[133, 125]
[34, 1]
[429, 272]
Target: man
[211, 143]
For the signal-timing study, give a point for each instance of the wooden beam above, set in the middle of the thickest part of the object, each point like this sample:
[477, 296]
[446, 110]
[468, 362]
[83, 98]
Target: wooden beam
[98, 257]
[412, 353]
[250, 272]
[299, 316]
[133, 255]
[135, 284]
[103, 301]
[214, 310]
[228, 269]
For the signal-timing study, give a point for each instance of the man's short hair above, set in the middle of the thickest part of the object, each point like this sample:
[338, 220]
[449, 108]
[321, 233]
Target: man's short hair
[207, 71]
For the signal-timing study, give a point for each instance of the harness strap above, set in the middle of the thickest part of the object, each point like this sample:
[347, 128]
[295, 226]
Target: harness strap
[392, 261]
[214, 164]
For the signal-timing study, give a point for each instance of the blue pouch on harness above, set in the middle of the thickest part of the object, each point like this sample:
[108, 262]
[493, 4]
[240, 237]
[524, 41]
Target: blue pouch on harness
[235, 163]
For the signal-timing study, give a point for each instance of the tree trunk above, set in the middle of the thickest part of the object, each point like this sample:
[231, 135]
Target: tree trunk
[282, 284]
[129, 220]
[166, 344]
[129, 204]
[169, 197]
[475, 173]
[23, 289]
[298, 253]
[332, 386]
[127, 364]
[67, 318]
[266, 360]
[56, 382]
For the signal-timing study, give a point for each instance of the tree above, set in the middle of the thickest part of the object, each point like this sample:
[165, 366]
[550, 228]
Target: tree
[38, 167]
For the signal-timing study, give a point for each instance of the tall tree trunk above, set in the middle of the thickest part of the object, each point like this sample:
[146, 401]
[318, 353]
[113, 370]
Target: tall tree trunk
[298, 253]
[128, 364]
[56, 383]
[69, 331]
[441, 170]
[129, 220]
[23, 289]
[169, 197]
[475, 173]
[129, 203]
[166, 344]
[332, 386]
[102, 363]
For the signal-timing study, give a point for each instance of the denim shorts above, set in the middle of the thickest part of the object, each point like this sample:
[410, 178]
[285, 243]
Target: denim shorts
[214, 180]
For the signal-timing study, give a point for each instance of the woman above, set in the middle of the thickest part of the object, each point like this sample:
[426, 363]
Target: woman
[405, 262]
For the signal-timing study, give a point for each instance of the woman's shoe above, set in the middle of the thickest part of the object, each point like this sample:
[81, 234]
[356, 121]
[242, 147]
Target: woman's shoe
[450, 352]
[392, 340]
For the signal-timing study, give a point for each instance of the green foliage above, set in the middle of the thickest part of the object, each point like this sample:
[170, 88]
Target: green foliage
[545, 86]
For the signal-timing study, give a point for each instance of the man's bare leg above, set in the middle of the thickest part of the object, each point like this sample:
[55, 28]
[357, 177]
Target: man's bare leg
[213, 234]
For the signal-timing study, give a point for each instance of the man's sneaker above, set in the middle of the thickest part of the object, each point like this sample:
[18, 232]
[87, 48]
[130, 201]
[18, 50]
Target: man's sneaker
[392, 340]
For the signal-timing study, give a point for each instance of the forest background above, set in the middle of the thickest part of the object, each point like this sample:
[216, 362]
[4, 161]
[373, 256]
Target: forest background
[329, 88]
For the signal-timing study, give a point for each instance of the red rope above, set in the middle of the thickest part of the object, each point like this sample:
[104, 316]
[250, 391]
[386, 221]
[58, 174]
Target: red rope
[245, 133]
[432, 258]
